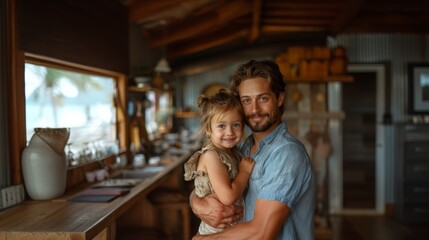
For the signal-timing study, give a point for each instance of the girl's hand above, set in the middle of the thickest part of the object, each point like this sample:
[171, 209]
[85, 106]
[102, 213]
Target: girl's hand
[246, 165]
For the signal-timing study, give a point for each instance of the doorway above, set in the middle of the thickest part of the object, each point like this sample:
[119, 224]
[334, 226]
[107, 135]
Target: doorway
[359, 133]
[360, 186]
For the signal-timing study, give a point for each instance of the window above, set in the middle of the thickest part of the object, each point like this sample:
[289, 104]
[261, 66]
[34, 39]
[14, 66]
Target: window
[158, 110]
[158, 115]
[83, 102]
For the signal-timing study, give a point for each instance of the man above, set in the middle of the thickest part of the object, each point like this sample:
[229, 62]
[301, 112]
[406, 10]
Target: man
[279, 202]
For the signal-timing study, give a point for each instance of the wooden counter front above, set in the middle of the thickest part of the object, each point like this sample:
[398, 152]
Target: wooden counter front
[59, 219]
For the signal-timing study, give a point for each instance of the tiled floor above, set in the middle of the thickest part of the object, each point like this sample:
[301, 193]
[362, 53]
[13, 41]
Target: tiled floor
[375, 228]
[368, 228]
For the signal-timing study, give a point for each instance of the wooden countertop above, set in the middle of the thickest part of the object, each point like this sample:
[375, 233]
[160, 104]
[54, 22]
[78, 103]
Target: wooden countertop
[60, 219]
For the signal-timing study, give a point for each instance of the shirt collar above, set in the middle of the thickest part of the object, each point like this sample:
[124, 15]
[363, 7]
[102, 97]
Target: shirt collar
[267, 139]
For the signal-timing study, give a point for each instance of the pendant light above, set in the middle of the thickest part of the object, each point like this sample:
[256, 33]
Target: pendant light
[160, 68]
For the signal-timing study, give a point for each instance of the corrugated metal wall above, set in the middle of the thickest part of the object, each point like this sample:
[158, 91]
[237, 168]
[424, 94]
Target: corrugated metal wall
[192, 87]
[397, 50]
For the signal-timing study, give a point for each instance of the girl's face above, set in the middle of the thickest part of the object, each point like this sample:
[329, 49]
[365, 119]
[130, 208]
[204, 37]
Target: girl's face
[226, 130]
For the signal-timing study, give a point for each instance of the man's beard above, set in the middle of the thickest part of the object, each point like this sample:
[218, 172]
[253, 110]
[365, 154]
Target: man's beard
[268, 121]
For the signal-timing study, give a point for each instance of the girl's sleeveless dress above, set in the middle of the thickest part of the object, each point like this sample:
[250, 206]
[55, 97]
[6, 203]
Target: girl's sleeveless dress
[202, 183]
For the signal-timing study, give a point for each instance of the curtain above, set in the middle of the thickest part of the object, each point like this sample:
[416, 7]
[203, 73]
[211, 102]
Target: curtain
[4, 73]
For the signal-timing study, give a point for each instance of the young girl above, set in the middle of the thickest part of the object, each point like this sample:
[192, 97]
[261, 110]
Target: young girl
[217, 168]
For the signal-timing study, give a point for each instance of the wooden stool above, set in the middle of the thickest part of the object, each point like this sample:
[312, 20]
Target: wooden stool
[173, 200]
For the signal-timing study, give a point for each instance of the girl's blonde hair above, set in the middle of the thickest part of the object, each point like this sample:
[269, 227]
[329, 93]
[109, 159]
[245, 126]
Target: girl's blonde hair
[213, 107]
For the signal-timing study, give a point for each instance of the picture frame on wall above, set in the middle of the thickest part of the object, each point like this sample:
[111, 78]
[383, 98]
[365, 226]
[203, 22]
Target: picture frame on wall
[418, 88]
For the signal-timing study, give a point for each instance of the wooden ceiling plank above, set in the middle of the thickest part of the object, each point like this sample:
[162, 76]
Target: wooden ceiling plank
[417, 28]
[392, 19]
[399, 6]
[275, 17]
[321, 5]
[269, 29]
[143, 9]
[225, 15]
[255, 30]
[296, 21]
[206, 9]
[388, 29]
[298, 13]
[205, 43]
[351, 9]
[234, 8]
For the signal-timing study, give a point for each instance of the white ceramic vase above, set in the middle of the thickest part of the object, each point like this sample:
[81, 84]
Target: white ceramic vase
[44, 164]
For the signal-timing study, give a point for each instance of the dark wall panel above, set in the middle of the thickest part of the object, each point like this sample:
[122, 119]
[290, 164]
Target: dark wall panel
[88, 32]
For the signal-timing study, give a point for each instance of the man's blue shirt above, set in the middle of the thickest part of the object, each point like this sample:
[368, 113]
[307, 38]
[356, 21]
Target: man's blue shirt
[283, 173]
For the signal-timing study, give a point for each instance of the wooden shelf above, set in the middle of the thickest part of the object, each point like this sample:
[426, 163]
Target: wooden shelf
[187, 114]
[314, 115]
[321, 79]
[144, 89]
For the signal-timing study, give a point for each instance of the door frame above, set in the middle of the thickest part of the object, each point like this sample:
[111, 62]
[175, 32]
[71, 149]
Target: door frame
[336, 159]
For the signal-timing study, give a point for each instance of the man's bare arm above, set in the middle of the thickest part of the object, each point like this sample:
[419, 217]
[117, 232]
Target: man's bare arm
[214, 213]
[268, 220]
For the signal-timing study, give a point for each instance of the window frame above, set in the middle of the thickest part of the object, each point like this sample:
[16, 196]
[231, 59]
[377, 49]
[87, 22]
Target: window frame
[17, 109]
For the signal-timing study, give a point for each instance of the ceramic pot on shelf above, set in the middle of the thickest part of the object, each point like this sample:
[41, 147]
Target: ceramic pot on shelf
[44, 164]
[338, 64]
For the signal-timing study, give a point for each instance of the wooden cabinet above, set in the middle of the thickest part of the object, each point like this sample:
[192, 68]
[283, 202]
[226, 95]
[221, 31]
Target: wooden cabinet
[64, 220]
[412, 173]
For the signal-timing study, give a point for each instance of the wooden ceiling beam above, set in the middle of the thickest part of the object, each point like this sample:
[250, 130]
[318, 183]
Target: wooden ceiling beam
[317, 4]
[226, 14]
[271, 29]
[213, 23]
[388, 29]
[392, 19]
[207, 42]
[255, 30]
[143, 9]
[398, 6]
[297, 21]
[298, 13]
[351, 9]
[210, 7]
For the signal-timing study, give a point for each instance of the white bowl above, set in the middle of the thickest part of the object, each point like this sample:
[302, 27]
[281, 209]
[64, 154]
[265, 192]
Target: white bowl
[171, 137]
[142, 81]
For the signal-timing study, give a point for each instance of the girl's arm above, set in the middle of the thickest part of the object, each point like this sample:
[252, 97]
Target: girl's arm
[211, 211]
[228, 192]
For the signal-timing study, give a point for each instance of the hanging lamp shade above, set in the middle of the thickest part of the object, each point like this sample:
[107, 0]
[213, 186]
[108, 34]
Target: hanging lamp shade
[163, 66]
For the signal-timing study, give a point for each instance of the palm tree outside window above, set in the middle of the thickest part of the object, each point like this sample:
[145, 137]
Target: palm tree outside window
[84, 103]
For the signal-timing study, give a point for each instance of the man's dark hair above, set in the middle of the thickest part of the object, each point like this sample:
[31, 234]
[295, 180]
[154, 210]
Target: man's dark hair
[265, 69]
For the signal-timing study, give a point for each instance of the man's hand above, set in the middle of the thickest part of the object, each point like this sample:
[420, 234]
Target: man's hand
[214, 213]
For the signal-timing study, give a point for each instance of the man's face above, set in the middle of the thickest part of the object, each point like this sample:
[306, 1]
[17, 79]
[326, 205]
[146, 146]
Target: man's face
[261, 107]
